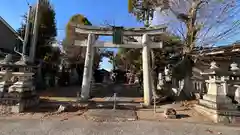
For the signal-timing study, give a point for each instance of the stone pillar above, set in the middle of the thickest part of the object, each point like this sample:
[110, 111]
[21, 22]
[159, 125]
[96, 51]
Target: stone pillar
[91, 78]
[146, 71]
[87, 74]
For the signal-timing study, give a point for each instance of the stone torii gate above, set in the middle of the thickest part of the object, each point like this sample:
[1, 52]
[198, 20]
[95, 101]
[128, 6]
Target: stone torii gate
[145, 43]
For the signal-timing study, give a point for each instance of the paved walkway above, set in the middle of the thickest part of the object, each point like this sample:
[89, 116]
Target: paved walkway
[82, 127]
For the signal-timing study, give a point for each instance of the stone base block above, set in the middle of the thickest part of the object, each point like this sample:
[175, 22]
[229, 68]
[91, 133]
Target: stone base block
[20, 89]
[21, 106]
[17, 108]
[219, 116]
[220, 99]
[6, 109]
[20, 95]
[215, 105]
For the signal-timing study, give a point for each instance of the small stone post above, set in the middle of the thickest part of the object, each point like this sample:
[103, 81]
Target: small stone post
[114, 101]
[87, 74]
[146, 71]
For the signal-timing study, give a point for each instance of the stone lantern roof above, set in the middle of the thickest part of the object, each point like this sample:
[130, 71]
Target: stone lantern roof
[215, 70]
[235, 69]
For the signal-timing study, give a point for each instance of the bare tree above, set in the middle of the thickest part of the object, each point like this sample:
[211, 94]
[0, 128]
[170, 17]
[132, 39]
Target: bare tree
[199, 22]
[196, 22]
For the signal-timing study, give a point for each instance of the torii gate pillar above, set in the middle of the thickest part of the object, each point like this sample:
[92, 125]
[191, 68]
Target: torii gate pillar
[146, 44]
[146, 71]
[87, 73]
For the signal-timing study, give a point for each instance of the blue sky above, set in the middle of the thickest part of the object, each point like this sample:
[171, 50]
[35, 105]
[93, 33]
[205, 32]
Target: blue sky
[97, 11]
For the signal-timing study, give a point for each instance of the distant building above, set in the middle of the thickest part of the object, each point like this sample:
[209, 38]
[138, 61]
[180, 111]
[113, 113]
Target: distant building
[8, 37]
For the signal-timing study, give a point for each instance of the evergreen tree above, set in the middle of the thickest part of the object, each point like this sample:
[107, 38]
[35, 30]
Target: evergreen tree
[47, 29]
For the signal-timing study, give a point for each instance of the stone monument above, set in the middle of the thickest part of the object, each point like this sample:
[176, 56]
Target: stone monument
[216, 104]
[16, 86]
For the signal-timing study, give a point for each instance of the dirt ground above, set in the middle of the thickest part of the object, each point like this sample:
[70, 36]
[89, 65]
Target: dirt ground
[51, 100]
[185, 115]
[74, 126]
[49, 110]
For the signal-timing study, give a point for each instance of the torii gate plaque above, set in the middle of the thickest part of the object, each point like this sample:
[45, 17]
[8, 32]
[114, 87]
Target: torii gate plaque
[145, 43]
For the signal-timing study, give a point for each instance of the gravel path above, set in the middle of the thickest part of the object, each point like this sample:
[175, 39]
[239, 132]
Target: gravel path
[82, 127]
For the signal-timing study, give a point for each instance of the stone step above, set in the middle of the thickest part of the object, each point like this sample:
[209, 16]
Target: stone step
[215, 105]
[219, 99]
[219, 116]
[226, 112]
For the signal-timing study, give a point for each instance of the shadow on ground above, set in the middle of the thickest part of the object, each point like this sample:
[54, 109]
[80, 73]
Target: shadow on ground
[182, 116]
[66, 92]
[98, 90]
[102, 97]
[48, 106]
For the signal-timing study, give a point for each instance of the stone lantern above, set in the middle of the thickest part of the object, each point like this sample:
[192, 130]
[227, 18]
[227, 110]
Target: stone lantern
[160, 81]
[5, 74]
[235, 82]
[234, 67]
[217, 80]
[235, 72]
[167, 74]
[17, 88]
[216, 104]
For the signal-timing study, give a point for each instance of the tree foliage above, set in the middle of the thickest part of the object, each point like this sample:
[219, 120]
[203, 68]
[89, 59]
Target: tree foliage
[71, 35]
[131, 58]
[77, 53]
[141, 9]
[47, 29]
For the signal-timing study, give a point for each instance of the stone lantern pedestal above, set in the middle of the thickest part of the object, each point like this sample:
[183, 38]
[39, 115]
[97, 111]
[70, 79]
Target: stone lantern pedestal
[216, 104]
[24, 91]
[16, 87]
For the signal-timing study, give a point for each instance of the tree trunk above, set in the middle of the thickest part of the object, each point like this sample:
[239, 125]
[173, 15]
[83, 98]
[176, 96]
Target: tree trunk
[192, 31]
[187, 90]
